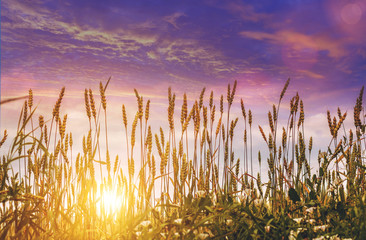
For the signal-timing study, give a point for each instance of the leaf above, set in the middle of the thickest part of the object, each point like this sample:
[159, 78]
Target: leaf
[312, 195]
[293, 195]
[101, 162]
[341, 210]
[321, 172]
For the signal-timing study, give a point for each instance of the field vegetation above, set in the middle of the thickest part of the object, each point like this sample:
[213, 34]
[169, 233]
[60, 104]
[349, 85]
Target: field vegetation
[189, 183]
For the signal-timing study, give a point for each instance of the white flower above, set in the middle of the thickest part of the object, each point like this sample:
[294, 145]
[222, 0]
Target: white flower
[258, 202]
[310, 210]
[319, 238]
[293, 235]
[322, 227]
[145, 223]
[163, 235]
[201, 193]
[178, 221]
[298, 220]
[334, 237]
[229, 222]
[142, 225]
[311, 221]
[203, 236]
[267, 228]
[208, 222]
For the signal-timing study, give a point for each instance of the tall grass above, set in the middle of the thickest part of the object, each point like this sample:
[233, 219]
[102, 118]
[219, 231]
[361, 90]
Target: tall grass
[203, 189]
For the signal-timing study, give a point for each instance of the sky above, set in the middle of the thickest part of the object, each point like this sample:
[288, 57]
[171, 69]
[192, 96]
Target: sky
[188, 45]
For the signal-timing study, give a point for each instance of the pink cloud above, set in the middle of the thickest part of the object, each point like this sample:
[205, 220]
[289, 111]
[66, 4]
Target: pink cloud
[311, 74]
[246, 12]
[172, 19]
[299, 41]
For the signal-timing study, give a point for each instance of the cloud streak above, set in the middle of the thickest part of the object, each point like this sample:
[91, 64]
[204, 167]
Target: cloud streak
[299, 41]
[208, 44]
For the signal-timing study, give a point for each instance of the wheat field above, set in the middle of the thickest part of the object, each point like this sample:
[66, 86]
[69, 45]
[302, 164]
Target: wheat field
[185, 181]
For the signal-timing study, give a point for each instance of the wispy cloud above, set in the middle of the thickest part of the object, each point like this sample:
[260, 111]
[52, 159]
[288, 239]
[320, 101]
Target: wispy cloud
[300, 41]
[311, 74]
[212, 43]
[246, 11]
[143, 42]
[173, 19]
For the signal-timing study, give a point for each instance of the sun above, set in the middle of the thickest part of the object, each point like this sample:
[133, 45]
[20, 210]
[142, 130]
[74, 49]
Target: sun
[110, 201]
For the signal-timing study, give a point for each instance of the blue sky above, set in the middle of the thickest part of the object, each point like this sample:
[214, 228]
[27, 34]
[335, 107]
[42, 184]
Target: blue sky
[318, 44]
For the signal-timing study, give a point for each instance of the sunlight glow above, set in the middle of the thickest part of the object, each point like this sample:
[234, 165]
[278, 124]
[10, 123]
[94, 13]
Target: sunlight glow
[110, 201]
[351, 13]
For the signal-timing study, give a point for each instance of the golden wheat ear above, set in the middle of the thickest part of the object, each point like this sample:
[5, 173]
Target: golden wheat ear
[12, 99]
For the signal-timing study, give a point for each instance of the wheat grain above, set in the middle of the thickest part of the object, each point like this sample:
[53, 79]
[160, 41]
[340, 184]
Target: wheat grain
[4, 138]
[30, 99]
[102, 96]
[87, 106]
[284, 89]
[263, 135]
[92, 104]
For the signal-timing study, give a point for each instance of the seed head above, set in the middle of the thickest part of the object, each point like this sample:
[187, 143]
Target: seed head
[222, 104]
[243, 109]
[284, 89]
[147, 110]
[183, 115]
[87, 106]
[124, 116]
[250, 118]
[92, 104]
[41, 121]
[102, 95]
[30, 99]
